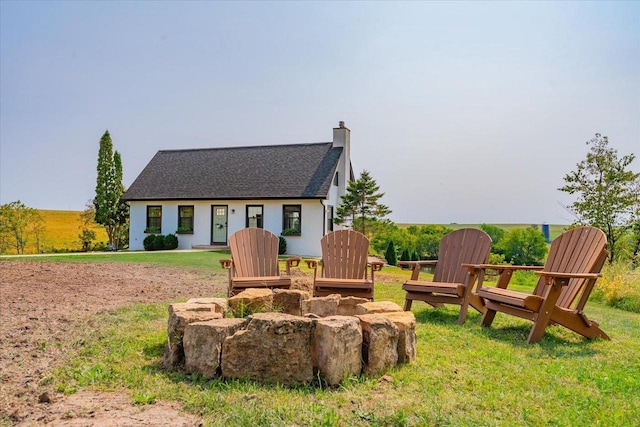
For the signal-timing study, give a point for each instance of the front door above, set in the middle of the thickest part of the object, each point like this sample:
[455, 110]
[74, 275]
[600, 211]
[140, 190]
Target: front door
[219, 225]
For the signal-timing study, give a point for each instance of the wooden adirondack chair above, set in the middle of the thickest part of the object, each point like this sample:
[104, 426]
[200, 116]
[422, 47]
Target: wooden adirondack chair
[254, 261]
[453, 278]
[572, 268]
[344, 266]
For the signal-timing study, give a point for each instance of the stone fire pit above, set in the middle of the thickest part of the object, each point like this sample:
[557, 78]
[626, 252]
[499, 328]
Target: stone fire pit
[290, 338]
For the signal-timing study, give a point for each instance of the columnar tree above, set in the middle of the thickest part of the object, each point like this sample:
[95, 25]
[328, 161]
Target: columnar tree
[390, 254]
[121, 235]
[607, 191]
[361, 205]
[109, 189]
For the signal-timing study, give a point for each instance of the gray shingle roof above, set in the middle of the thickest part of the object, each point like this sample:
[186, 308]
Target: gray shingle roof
[259, 172]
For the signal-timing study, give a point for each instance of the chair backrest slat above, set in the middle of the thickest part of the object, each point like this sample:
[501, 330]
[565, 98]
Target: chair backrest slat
[580, 250]
[254, 252]
[344, 254]
[466, 245]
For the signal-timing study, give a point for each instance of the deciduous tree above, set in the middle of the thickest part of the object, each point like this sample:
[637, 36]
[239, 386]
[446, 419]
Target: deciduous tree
[17, 223]
[524, 246]
[607, 191]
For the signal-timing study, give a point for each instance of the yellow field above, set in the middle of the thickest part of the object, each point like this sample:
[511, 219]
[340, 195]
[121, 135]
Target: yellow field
[62, 229]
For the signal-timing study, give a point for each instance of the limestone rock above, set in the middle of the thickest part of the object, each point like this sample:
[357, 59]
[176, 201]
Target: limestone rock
[251, 300]
[272, 347]
[220, 304]
[322, 306]
[203, 344]
[380, 343]
[405, 321]
[377, 307]
[180, 315]
[348, 305]
[289, 301]
[336, 348]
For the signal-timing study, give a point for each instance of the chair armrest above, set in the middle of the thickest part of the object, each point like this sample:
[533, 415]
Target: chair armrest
[226, 263]
[376, 265]
[505, 271]
[563, 278]
[313, 264]
[503, 267]
[293, 262]
[414, 263]
[415, 266]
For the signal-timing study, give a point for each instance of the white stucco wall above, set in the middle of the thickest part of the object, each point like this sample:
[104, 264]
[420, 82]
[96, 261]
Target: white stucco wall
[314, 215]
[307, 244]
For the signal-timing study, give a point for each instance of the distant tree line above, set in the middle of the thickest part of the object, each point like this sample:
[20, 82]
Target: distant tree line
[525, 246]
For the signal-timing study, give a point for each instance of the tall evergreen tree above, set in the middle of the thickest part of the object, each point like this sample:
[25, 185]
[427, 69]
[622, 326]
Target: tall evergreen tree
[121, 232]
[390, 254]
[361, 203]
[109, 190]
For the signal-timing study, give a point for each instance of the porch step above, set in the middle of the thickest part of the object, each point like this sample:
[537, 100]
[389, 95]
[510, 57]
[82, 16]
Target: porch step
[211, 247]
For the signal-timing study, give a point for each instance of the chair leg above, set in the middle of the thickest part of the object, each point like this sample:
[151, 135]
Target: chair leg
[487, 317]
[407, 304]
[537, 331]
[463, 312]
[545, 312]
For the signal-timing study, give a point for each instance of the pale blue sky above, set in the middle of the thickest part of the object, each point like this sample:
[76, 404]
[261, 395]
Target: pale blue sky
[463, 112]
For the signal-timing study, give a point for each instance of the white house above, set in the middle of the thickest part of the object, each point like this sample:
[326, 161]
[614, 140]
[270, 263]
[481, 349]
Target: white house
[205, 195]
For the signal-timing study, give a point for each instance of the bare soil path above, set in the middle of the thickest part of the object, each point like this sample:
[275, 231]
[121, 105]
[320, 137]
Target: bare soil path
[42, 305]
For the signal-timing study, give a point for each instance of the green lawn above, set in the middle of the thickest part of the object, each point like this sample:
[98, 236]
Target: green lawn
[464, 375]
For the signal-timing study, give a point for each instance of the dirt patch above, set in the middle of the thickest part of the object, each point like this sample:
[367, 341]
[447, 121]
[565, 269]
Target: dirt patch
[44, 303]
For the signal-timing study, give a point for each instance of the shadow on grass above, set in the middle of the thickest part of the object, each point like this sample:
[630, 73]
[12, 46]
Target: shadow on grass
[556, 342]
[444, 316]
[155, 350]
[179, 375]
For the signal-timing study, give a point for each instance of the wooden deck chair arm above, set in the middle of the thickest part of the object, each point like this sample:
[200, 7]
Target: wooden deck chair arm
[505, 267]
[376, 265]
[416, 265]
[313, 264]
[562, 279]
[505, 272]
[228, 264]
[291, 262]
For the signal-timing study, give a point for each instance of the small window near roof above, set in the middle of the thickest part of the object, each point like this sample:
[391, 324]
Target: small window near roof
[335, 179]
[154, 219]
[185, 219]
[291, 219]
